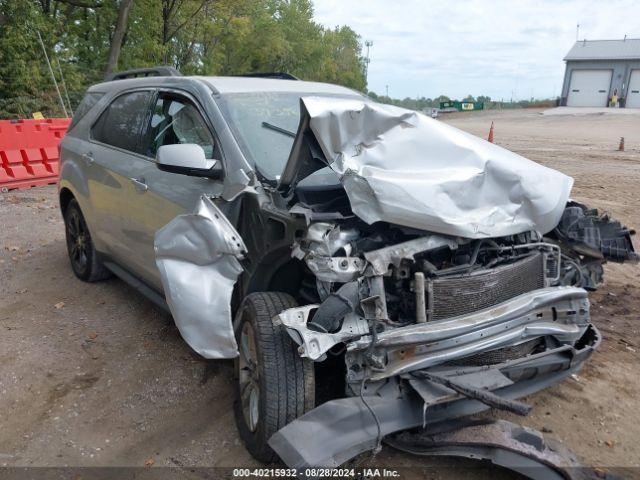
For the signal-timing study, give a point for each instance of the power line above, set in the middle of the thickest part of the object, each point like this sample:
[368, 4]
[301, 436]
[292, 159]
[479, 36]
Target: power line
[44, 50]
[64, 86]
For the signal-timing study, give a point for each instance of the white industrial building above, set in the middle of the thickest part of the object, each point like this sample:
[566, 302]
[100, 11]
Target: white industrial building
[596, 69]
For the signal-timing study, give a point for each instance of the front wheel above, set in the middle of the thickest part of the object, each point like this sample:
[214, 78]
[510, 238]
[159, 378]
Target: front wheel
[274, 385]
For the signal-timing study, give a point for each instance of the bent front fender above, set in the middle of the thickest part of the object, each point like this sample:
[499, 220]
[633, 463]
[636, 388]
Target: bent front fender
[198, 256]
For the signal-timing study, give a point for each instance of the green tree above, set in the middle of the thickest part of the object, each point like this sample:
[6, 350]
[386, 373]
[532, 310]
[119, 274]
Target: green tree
[204, 37]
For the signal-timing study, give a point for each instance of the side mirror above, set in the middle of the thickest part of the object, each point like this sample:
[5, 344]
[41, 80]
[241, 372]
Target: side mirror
[187, 159]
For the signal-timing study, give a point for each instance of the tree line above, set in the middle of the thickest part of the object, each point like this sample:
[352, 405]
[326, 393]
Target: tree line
[422, 103]
[87, 39]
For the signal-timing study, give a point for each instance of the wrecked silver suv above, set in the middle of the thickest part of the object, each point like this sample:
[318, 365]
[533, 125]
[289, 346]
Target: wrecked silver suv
[370, 269]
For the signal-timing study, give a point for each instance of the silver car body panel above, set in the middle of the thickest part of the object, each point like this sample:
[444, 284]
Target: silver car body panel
[198, 256]
[405, 168]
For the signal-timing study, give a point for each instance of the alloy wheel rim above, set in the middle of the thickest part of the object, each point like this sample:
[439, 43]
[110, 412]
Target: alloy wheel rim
[77, 240]
[249, 377]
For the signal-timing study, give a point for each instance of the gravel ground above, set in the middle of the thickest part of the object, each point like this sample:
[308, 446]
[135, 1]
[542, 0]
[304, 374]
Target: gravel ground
[94, 375]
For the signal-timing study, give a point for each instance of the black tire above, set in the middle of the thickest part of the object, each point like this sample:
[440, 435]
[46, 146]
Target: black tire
[285, 381]
[83, 257]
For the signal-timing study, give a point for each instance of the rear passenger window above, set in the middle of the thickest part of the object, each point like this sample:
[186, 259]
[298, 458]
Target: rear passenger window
[120, 124]
[87, 103]
[176, 120]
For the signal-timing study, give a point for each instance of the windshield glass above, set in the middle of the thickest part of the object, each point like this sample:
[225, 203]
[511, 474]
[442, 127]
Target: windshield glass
[264, 124]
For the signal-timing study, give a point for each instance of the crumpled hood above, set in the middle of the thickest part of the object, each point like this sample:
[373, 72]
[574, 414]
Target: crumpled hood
[405, 168]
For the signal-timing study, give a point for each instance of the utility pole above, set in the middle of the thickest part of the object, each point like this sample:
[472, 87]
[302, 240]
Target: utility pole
[577, 31]
[368, 44]
[387, 89]
[44, 50]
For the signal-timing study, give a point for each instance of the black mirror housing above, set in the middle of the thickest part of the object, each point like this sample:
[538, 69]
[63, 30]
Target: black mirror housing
[216, 172]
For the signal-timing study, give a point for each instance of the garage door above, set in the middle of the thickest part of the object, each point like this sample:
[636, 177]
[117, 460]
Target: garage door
[589, 88]
[633, 97]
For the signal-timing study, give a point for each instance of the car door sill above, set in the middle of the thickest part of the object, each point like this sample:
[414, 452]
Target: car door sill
[140, 286]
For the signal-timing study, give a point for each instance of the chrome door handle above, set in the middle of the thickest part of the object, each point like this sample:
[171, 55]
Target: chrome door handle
[88, 157]
[139, 184]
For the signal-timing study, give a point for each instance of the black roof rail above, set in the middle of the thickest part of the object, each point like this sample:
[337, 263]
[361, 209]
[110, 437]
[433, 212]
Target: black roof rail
[277, 75]
[161, 71]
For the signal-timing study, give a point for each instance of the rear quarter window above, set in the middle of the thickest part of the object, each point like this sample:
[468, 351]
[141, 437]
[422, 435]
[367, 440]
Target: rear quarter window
[87, 103]
[121, 123]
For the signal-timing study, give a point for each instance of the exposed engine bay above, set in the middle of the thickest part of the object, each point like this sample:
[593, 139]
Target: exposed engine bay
[440, 318]
[401, 279]
[473, 258]
[403, 298]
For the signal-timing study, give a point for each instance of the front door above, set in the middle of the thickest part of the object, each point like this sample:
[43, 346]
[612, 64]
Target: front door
[175, 118]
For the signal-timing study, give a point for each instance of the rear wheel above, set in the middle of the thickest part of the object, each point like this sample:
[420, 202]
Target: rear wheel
[274, 384]
[83, 257]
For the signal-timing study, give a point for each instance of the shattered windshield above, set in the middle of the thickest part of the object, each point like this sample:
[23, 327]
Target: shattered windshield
[264, 124]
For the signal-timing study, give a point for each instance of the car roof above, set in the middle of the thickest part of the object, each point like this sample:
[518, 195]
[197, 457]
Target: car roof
[229, 85]
[251, 84]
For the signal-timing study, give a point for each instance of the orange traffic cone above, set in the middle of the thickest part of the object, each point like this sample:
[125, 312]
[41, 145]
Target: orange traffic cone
[621, 146]
[490, 138]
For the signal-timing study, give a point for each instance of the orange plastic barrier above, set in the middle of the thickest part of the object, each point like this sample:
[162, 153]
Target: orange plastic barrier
[29, 153]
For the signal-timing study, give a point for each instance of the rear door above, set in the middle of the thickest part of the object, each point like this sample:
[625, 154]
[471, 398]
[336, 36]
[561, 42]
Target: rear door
[589, 88]
[633, 97]
[176, 117]
[114, 151]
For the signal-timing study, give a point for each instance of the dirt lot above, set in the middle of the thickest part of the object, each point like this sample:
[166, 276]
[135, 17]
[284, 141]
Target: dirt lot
[95, 375]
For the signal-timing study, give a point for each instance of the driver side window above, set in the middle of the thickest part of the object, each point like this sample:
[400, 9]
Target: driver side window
[175, 120]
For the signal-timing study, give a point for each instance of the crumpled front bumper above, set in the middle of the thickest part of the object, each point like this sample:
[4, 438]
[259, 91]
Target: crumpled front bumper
[338, 430]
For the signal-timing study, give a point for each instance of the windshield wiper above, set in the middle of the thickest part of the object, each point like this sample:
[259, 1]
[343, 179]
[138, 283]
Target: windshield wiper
[276, 128]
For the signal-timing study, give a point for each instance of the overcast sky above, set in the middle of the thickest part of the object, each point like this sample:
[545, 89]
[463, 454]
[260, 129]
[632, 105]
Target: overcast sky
[460, 47]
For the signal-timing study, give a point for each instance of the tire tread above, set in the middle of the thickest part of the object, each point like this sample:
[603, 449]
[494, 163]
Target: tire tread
[289, 380]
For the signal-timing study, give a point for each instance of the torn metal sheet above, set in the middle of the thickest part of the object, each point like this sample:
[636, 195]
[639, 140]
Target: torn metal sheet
[405, 168]
[394, 254]
[314, 344]
[327, 238]
[322, 241]
[335, 269]
[198, 257]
